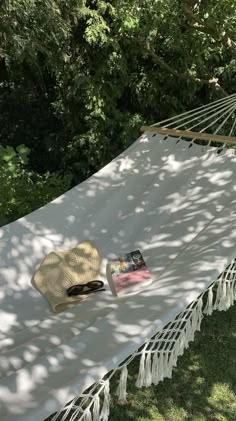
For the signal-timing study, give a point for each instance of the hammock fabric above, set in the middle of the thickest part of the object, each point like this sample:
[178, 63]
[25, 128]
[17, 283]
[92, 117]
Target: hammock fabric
[177, 204]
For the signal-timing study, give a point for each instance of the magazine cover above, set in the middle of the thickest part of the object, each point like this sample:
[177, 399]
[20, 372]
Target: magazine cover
[128, 273]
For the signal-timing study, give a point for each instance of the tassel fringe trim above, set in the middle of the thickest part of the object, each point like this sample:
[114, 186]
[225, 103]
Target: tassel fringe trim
[158, 356]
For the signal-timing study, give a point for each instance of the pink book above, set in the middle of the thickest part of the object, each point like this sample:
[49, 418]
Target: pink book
[128, 274]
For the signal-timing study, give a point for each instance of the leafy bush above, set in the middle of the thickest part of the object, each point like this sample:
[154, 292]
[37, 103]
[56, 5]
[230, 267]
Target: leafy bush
[23, 190]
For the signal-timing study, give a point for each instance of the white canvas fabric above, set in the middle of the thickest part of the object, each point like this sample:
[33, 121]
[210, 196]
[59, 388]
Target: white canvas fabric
[176, 204]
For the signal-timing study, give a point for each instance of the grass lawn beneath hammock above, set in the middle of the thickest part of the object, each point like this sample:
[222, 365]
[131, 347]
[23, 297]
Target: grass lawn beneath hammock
[203, 385]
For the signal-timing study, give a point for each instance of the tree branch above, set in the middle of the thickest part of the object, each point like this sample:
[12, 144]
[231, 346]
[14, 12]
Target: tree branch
[200, 25]
[213, 83]
[158, 60]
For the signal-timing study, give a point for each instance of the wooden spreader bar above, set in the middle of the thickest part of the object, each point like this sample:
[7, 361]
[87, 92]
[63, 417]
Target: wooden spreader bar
[189, 134]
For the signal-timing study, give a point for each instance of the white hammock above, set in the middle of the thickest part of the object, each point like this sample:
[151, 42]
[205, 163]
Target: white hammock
[174, 202]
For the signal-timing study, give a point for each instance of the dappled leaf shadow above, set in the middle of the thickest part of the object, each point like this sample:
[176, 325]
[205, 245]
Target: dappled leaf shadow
[176, 204]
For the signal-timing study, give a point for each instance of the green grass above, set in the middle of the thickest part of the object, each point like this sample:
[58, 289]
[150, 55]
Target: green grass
[203, 385]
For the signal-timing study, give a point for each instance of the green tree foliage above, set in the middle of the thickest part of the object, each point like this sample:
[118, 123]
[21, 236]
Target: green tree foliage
[79, 77]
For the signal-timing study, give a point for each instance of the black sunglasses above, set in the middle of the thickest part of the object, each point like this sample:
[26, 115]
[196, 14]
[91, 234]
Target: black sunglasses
[78, 289]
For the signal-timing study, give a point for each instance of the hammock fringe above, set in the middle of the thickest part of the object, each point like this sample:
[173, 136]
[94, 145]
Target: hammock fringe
[121, 390]
[106, 402]
[96, 408]
[159, 355]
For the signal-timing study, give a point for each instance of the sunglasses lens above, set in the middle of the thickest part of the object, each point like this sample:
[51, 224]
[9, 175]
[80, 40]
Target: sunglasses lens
[95, 284]
[75, 290]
